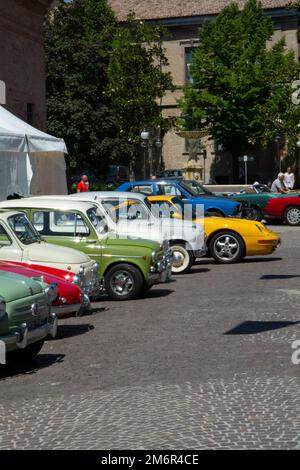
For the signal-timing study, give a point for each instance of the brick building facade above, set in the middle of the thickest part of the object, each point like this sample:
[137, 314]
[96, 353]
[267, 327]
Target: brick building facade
[22, 58]
[183, 20]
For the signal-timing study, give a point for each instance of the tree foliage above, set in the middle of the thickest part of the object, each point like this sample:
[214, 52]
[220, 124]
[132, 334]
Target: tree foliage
[103, 80]
[241, 87]
[136, 77]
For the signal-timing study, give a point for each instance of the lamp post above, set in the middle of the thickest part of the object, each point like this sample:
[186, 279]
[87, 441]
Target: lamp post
[148, 142]
[278, 141]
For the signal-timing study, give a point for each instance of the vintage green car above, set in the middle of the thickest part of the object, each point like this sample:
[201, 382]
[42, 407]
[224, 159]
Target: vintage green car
[25, 316]
[129, 265]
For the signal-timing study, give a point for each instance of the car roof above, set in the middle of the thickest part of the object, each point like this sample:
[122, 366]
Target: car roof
[157, 180]
[91, 195]
[51, 202]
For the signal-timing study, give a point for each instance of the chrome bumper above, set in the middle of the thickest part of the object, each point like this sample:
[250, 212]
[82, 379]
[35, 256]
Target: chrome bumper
[26, 336]
[63, 310]
[94, 289]
[164, 269]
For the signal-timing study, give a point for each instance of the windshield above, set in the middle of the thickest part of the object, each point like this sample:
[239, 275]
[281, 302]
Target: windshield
[23, 229]
[129, 209]
[98, 220]
[194, 188]
[175, 208]
[262, 188]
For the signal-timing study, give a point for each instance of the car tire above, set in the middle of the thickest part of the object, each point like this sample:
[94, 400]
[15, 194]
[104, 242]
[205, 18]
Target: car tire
[123, 282]
[226, 247]
[28, 354]
[254, 213]
[292, 216]
[183, 259]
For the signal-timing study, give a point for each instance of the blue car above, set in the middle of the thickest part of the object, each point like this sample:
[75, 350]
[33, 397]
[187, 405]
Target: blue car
[190, 191]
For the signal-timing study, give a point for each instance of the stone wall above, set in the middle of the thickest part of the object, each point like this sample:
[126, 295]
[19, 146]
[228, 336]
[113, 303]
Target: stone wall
[22, 57]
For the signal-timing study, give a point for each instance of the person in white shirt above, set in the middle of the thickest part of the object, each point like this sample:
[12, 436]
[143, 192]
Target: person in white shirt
[289, 179]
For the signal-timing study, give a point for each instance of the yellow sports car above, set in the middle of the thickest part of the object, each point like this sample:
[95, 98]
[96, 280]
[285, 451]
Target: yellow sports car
[228, 239]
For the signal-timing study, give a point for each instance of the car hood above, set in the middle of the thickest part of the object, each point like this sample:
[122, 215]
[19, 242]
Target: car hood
[34, 274]
[14, 286]
[55, 254]
[224, 200]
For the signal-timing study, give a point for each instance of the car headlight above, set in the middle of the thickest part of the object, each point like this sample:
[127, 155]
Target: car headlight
[79, 276]
[153, 256]
[2, 309]
[95, 267]
[51, 292]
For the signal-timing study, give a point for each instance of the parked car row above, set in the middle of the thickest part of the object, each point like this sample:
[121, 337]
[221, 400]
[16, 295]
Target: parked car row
[59, 252]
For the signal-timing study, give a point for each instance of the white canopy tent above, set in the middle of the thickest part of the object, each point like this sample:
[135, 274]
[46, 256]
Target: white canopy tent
[31, 161]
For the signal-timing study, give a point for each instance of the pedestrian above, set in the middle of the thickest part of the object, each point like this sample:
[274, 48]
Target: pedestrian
[83, 185]
[289, 179]
[278, 184]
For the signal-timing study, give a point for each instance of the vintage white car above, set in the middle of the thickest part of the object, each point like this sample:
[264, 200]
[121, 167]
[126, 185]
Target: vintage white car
[130, 214]
[21, 243]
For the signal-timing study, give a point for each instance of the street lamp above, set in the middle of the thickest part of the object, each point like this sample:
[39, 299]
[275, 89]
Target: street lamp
[147, 144]
[278, 140]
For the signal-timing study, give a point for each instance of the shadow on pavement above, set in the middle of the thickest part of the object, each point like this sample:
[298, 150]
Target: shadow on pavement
[67, 331]
[40, 362]
[254, 327]
[279, 276]
[153, 293]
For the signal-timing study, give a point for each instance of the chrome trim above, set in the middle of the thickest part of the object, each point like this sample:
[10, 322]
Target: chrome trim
[25, 335]
[121, 256]
[61, 310]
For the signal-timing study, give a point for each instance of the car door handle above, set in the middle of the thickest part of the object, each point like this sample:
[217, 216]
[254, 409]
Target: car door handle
[91, 242]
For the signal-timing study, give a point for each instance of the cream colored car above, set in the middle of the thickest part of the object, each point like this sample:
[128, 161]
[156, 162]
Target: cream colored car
[21, 243]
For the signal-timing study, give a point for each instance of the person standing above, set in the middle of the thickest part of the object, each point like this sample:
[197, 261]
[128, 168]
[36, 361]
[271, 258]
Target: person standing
[289, 179]
[83, 185]
[278, 184]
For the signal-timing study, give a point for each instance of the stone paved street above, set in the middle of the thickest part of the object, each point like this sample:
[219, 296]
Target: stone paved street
[203, 362]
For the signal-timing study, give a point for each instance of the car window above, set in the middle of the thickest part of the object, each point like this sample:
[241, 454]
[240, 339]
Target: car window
[98, 220]
[169, 190]
[38, 220]
[4, 237]
[129, 209]
[67, 223]
[142, 188]
[23, 229]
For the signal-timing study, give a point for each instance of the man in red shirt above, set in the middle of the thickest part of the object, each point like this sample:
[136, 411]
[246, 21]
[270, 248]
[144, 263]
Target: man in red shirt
[83, 185]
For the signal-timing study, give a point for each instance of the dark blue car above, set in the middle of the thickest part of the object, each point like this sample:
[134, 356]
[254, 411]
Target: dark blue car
[190, 191]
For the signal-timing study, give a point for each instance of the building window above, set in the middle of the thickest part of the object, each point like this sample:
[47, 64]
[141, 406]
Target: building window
[188, 62]
[30, 113]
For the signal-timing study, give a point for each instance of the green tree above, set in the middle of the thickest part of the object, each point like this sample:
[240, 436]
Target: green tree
[103, 82]
[137, 80]
[241, 88]
[78, 44]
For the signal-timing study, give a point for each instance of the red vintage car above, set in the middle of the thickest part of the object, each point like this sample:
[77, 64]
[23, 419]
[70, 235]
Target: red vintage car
[285, 208]
[70, 298]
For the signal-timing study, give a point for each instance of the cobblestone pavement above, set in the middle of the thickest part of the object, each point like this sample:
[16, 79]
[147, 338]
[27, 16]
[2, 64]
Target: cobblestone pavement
[204, 362]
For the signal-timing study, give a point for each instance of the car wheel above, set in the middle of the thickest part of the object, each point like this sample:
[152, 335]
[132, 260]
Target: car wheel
[25, 355]
[292, 215]
[123, 282]
[183, 259]
[254, 213]
[226, 247]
